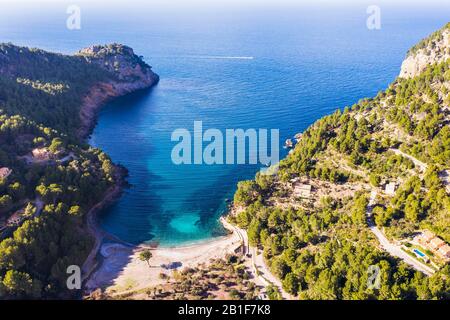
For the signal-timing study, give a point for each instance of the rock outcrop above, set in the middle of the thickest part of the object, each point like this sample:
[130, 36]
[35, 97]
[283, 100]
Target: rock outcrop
[130, 73]
[433, 49]
[121, 61]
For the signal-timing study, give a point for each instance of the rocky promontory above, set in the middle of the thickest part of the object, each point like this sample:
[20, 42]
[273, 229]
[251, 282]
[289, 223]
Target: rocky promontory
[433, 49]
[129, 73]
[48, 106]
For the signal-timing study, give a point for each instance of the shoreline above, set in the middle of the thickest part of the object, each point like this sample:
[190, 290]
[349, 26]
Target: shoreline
[92, 225]
[186, 245]
[96, 98]
[102, 93]
[103, 238]
[121, 270]
[109, 251]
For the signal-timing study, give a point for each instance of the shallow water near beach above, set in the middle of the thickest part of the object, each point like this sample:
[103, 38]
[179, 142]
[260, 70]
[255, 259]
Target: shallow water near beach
[280, 69]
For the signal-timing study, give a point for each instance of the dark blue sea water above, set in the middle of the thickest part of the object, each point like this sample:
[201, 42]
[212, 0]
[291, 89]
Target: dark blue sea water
[300, 63]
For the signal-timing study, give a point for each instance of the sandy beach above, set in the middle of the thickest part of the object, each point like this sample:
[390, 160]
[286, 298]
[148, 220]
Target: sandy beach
[121, 270]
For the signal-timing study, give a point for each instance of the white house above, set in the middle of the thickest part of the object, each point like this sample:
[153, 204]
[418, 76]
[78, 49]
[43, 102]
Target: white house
[5, 172]
[302, 190]
[41, 154]
[390, 188]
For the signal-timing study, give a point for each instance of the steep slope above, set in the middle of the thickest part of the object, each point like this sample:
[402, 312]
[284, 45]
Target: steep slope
[63, 91]
[433, 49]
[50, 179]
[131, 71]
[319, 244]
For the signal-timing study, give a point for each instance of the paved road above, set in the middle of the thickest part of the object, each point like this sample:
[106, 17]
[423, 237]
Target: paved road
[391, 248]
[260, 271]
[39, 206]
[444, 175]
[71, 156]
[266, 275]
[423, 166]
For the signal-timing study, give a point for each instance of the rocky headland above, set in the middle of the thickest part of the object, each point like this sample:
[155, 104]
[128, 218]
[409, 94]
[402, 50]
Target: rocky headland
[130, 73]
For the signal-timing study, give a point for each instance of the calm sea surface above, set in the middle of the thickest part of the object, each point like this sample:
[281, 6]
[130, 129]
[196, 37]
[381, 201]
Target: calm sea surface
[280, 69]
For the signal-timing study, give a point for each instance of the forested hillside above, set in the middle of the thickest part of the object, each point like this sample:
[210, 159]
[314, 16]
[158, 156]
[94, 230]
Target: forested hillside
[45, 87]
[50, 178]
[320, 245]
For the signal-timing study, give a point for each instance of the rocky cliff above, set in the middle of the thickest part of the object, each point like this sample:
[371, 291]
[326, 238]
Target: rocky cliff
[433, 49]
[70, 88]
[121, 61]
[130, 72]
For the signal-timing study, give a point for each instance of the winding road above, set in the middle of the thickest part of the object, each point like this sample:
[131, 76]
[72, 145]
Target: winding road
[259, 270]
[39, 206]
[392, 249]
[443, 175]
[417, 162]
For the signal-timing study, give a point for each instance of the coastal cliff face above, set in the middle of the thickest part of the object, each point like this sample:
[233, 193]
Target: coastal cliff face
[73, 87]
[130, 72]
[433, 49]
[48, 207]
[121, 61]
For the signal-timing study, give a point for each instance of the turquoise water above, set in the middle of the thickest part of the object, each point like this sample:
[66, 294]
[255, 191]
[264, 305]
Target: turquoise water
[257, 68]
[420, 253]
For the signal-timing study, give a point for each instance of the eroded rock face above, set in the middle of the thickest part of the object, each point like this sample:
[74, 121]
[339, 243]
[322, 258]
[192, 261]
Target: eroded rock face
[130, 73]
[121, 61]
[436, 49]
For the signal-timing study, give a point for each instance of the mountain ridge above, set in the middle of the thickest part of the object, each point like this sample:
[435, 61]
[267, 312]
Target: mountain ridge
[394, 147]
[52, 182]
[433, 49]
[87, 80]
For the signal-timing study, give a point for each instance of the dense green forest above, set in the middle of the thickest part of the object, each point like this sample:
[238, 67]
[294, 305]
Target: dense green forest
[45, 87]
[322, 249]
[40, 99]
[319, 249]
[33, 260]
